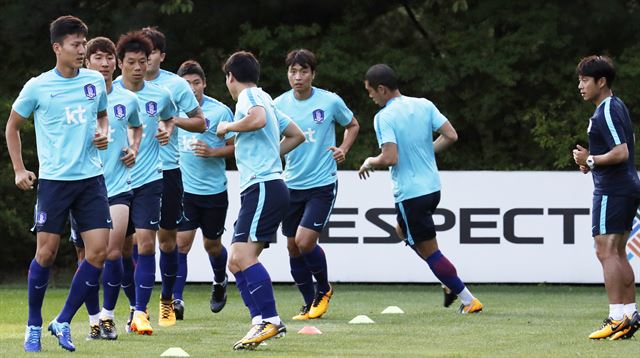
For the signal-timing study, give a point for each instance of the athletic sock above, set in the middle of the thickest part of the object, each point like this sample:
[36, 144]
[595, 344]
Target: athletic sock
[260, 288]
[241, 284]
[107, 314]
[465, 296]
[630, 308]
[317, 263]
[128, 284]
[86, 278]
[94, 319]
[181, 276]
[145, 276]
[303, 278]
[111, 282]
[92, 302]
[37, 281]
[219, 264]
[616, 311]
[134, 254]
[168, 270]
[444, 270]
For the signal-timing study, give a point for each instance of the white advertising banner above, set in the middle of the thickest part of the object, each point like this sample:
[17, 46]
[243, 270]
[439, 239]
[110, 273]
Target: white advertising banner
[493, 226]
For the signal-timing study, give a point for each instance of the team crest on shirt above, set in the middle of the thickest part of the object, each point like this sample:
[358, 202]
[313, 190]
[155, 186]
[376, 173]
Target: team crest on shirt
[90, 91]
[151, 107]
[318, 116]
[41, 218]
[120, 111]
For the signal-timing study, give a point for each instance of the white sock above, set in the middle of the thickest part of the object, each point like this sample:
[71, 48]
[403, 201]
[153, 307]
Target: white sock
[616, 311]
[275, 320]
[94, 319]
[107, 314]
[140, 312]
[465, 296]
[256, 320]
[629, 309]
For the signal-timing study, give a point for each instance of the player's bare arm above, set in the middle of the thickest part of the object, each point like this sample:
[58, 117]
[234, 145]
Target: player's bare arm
[194, 123]
[101, 140]
[164, 131]
[131, 152]
[350, 133]
[201, 149]
[619, 154]
[292, 137]
[24, 179]
[387, 157]
[255, 119]
[447, 137]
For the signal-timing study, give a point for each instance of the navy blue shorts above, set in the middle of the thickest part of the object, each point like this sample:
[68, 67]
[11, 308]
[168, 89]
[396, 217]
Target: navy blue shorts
[118, 199]
[172, 190]
[415, 217]
[612, 214]
[262, 208]
[309, 208]
[207, 212]
[144, 212]
[86, 199]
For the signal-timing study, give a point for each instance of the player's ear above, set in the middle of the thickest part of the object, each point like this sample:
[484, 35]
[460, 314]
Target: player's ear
[56, 48]
[120, 64]
[602, 82]
[162, 56]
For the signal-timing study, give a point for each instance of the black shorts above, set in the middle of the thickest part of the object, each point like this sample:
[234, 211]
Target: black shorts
[612, 214]
[86, 199]
[207, 212]
[118, 199]
[172, 190]
[144, 212]
[262, 208]
[309, 208]
[415, 217]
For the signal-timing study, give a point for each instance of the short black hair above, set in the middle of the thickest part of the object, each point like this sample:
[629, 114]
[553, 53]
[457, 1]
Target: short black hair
[157, 38]
[191, 67]
[101, 44]
[66, 25]
[244, 66]
[302, 57]
[597, 67]
[381, 74]
[133, 41]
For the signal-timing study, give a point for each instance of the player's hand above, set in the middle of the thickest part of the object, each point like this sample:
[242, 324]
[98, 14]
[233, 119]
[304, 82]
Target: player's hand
[162, 136]
[339, 154]
[222, 129]
[201, 149]
[101, 141]
[25, 179]
[584, 169]
[580, 155]
[365, 170]
[129, 157]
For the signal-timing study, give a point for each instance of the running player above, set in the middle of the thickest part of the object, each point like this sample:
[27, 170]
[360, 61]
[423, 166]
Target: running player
[311, 176]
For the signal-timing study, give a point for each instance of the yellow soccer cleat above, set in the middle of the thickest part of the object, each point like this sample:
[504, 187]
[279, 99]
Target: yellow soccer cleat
[238, 345]
[167, 316]
[610, 327]
[320, 304]
[303, 315]
[260, 333]
[626, 333]
[140, 324]
[474, 307]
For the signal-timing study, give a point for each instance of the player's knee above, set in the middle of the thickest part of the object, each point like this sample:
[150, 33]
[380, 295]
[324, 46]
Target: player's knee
[96, 257]
[213, 247]
[293, 248]
[305, 246]
[114, 253]
[45, 257]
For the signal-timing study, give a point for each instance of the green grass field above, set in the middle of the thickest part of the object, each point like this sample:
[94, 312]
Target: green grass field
[534, 321]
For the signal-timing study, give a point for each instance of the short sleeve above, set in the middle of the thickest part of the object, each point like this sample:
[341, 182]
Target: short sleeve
[437, 118]
[283, 120]
[134, 116]
[184, 98]
[169, 110]
[384, 129]
[612, 129]
[27, 100]
[342, 113]
[102, 102]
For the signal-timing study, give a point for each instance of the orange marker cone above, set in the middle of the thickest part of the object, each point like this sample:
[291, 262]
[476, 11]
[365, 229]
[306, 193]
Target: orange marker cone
[309, 330]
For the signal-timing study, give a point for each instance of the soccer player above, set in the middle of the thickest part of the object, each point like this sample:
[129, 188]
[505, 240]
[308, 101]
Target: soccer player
[400, 125]
[69, 105]
[264, 196]
[119, 156]
[205, 190]
[156, 113]
[311, 176]
[172, 192]
[616, 196]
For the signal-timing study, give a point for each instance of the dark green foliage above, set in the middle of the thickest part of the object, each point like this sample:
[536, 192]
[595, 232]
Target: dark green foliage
[501, 71]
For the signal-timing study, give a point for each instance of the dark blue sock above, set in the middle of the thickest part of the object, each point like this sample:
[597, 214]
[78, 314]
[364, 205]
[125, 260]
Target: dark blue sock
[219, 264]
[303, 278]
[86, 279]
[145, 276]
[128, 284]
[317, 264]
[37, 282]
[445, 271]
[181, 277]
[260, 288]
[92, 302]
[169, 271]
[134, 254]
[111, 282]
[241, 284]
